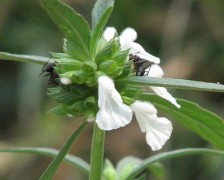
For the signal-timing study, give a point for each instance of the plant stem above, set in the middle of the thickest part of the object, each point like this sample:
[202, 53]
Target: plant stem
[97, 153]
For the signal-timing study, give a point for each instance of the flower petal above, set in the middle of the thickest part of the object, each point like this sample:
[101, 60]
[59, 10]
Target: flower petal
[162, 92]
[155, 71]
[65, 81]
[113, 112]
[158, 130]
[128, 34]
[109, 33]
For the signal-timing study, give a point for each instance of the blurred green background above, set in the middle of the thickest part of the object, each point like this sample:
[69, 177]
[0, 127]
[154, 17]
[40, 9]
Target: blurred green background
[187, 35]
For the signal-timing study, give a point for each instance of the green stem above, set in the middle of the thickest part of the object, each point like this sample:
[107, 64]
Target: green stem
[97, 153]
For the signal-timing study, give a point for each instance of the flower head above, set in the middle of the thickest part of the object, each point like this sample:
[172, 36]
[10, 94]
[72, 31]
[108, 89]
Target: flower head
[113, 112]
[157, 129]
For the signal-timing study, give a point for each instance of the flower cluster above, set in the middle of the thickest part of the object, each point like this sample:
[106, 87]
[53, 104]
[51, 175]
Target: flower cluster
[82, 77]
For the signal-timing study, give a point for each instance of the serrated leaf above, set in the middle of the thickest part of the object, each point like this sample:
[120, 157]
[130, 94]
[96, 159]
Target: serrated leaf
[99, 10]
[98, 31]
[206, 124]
[72, 24]
[174, 83]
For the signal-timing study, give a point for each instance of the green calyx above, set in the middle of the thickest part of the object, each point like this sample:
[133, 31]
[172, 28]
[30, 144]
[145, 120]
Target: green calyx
[86, 56]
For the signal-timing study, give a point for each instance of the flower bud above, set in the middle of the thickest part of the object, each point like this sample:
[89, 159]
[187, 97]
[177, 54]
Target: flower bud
[68, 64]
[90, 102]
[91, 81]
[109, 66]
[90, 116]
[89, 67]
[79, 77]
[109, 173]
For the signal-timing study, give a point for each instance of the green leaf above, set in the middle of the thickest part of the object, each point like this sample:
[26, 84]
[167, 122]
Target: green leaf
[72, 24]
[71, 159]
[125, 166]
[199, 120]
[158, 170]
[54, 165]
[23, 58]
[174, 83]
[169, 155]
[98, 31]
[99, 10]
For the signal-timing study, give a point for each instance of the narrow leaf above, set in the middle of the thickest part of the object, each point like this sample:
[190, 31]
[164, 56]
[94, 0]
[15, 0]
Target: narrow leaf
[197, 119]
[71, 159]
[54, 165]
[99, 10]
[23, 58]
[174, 83]
[169, 155]
[72, 24]
[98, 31]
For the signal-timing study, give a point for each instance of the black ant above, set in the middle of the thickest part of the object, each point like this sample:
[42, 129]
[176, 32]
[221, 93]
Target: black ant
[140, 65]
[48, 70]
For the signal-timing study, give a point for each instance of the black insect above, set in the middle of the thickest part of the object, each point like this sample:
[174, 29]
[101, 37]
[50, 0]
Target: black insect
[48, 70]
[140, 65]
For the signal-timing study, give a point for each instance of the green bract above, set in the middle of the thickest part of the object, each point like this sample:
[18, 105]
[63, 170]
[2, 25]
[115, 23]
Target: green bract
[86, 56]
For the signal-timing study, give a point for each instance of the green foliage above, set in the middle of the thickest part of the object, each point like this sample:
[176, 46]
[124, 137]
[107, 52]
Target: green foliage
[52, 168]
[174, 83]
[73, 25]
[86, 56]
[49, 152]
[23, 58]
[169, 155]
[99, 10]
[99, 30]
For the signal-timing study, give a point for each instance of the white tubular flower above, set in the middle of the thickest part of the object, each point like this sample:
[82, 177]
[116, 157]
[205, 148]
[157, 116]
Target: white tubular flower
[65, 81]
[109, 33]
[157, 129]
[156, 71]
[113, 112]
[127, 38]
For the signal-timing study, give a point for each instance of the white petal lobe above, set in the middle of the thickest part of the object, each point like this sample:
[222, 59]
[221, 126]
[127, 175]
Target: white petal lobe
[155, 71]
[109, 33]
[162, 92]
[128, 34]
[113, 112]
[158, 129]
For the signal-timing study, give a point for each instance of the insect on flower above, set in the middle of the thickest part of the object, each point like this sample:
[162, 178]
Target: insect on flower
[48, 70]
[141, 65]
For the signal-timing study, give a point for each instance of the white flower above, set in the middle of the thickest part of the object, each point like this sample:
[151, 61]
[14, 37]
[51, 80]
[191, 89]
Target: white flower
[113, 112]
[156, 71]
[65, 81]
[127, 38]
[109, 33]
[157, 129]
